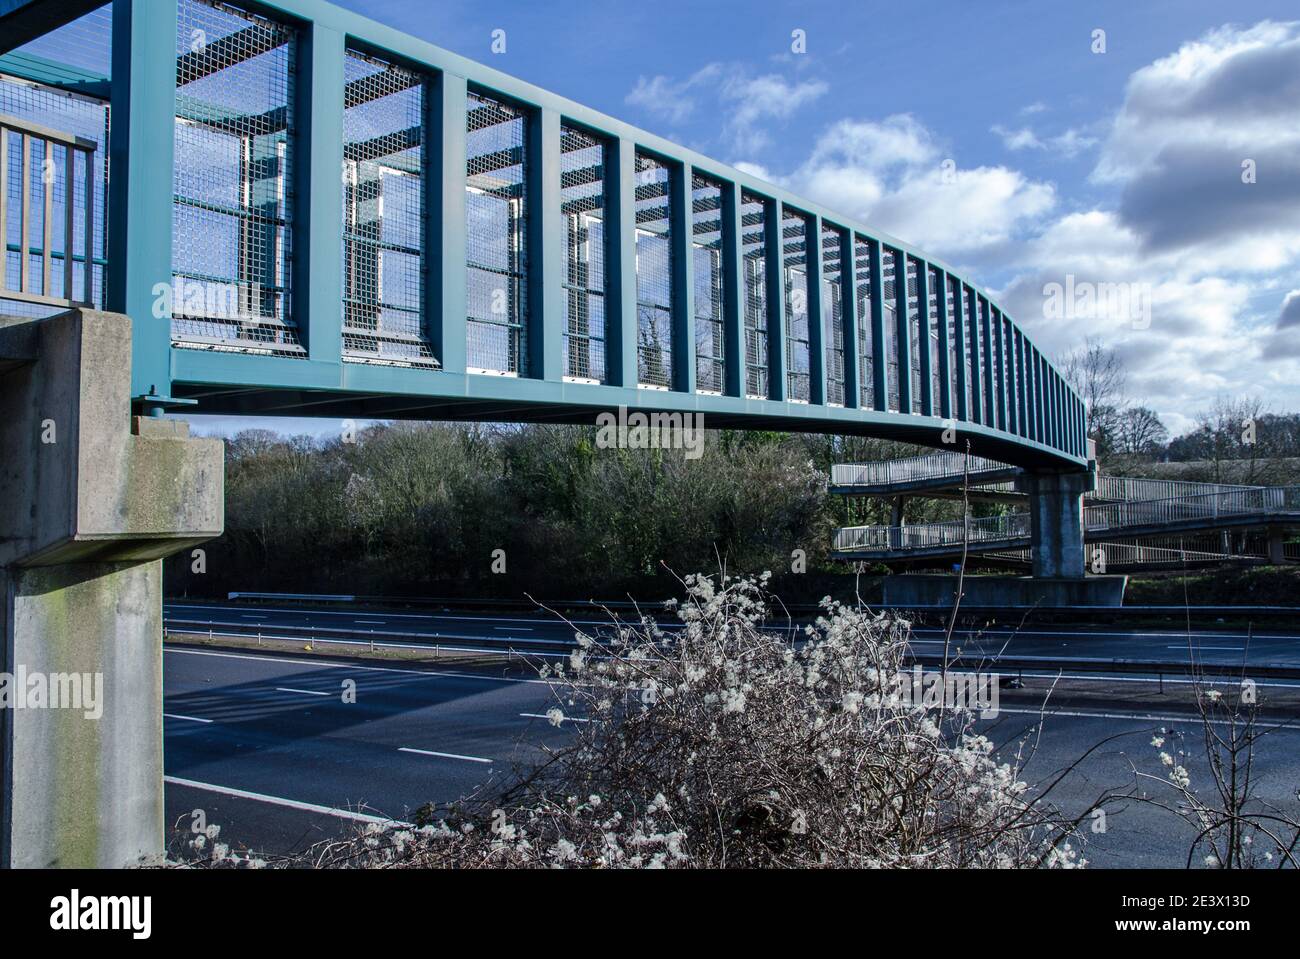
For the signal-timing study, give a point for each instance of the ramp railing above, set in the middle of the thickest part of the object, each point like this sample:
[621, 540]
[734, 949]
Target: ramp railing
[939, 465]
[42, 171]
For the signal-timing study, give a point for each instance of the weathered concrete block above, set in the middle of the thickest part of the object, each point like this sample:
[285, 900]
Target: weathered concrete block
[89, 503]
[82, 779]
[82, 486]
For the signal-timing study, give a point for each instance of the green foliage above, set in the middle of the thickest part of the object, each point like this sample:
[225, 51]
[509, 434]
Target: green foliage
[418, 510]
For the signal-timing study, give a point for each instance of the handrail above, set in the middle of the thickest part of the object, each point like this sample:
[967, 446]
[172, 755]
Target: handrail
[913, 469]
[1135, 488]
[1266, 501]
[1279, 501]
[77, 149]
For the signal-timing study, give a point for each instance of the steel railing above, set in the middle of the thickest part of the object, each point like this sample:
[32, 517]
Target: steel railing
[1279, 501]
[36, 164]
[927, 535]
[1121, 489]
[938, 465]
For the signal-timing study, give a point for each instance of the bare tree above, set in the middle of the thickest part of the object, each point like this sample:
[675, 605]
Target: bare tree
[1138, 432]
[1228, 431]
[1097, 375]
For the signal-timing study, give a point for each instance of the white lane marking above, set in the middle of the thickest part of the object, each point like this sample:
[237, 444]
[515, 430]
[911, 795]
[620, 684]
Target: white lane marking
[1144, 717]
[246, 616]
[281, 801]
[1222, 649]
[515, 629]
[430, 752]
[305, 692]
[431, 674]
[371, 622]
[192, 719]
[566, 719]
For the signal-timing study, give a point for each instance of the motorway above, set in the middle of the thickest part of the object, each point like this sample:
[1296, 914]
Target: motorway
[268, 746]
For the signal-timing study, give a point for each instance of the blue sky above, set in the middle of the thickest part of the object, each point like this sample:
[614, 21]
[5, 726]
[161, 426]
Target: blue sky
[993, 136]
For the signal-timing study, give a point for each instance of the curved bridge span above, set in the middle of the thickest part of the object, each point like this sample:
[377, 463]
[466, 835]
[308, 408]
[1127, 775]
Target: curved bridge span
[312, 214]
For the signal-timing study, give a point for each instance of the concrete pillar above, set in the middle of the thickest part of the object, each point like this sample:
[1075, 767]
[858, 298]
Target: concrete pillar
[896, 505]
[1056, 522]
[90, 502]
[1276, 548]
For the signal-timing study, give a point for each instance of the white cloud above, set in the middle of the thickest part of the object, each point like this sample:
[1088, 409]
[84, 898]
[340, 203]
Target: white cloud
[752, 100]
[1068, 144]
[1179, 222]
[1187, 228]
[672, 100]
[1196, 127]
[892, 174]
[745, 101]
[1285, 338]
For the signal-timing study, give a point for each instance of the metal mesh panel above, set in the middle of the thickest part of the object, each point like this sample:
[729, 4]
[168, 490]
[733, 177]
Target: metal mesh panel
[706, 249]
[833, 310]
[794, 258]
[862, 280]
[889, 298]
[78, 116]
[916, 335]
[753, 224]
[496, 211]
[582, 200]
[383, 214]
[85, 43]
[233, 183]
[654, 272]
[936, 367]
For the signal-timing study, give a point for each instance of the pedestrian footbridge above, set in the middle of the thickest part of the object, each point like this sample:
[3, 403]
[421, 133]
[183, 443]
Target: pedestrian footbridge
[278, 207]
[1136, 521]
[306, 212]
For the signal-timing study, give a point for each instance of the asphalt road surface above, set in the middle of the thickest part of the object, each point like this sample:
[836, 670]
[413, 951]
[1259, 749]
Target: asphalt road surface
[268, 746]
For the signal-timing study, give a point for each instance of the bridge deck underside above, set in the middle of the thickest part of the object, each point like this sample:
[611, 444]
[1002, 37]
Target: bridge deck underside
[488, 398]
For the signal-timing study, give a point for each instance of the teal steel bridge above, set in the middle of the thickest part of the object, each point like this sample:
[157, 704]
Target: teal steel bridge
[310, 213]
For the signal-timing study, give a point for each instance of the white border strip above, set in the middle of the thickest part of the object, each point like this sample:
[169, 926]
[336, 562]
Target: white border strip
[281, 801]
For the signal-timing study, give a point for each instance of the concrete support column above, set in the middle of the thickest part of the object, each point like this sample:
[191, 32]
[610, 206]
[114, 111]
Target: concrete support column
[896, 505]
[1276, 549]
[90, 502]
[1056, 518]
